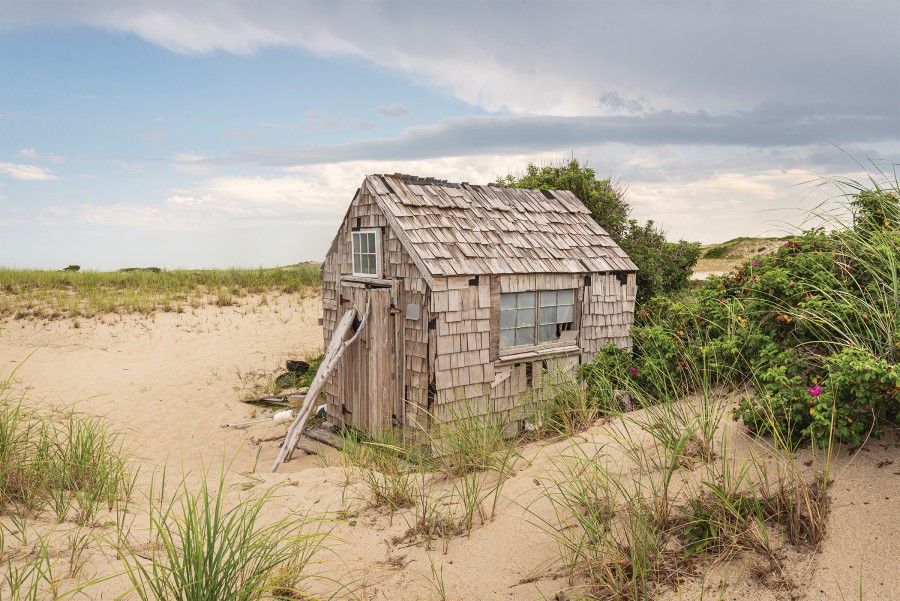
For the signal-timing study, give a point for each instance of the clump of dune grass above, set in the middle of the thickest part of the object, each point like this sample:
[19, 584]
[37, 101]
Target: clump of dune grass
[61, 294]
[69, 464]
[566, 406]
[35, 577]
[386, 468]
[630, 520]
[442, 481]
[609, 538]
[205, 544]
[472, 441]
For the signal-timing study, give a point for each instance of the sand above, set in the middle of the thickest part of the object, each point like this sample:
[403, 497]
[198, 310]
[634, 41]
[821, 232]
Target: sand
[170, 380]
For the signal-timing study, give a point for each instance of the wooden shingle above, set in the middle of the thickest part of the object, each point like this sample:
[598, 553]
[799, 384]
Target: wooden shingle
[464, 229]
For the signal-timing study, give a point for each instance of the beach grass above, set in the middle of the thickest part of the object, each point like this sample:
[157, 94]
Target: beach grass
[69, 464]
[444, 483]
[208, 543]
[27, 293]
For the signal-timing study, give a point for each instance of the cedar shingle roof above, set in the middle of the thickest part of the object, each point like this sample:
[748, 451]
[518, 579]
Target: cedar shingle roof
[461, 229]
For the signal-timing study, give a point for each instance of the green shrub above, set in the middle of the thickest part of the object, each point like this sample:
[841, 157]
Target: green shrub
[814, 328]
[663, 267]
[855, 392]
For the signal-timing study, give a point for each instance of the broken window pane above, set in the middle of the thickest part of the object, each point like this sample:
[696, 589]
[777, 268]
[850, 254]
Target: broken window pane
[547, 333]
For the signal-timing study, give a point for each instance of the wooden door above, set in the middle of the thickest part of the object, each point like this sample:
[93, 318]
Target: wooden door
[370, 365]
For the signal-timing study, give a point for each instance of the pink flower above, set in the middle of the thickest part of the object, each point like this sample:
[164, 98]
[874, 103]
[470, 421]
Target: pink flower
[755, 263]
[633, 371]
[815, 390]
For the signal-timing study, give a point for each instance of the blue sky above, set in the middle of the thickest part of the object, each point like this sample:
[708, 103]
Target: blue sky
[234, 133]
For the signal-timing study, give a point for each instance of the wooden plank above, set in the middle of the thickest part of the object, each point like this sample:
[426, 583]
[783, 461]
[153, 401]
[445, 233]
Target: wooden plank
[398, 356]
[381, 340]
[380, 282]
[329, 362]
[543, 353]
[355, 373]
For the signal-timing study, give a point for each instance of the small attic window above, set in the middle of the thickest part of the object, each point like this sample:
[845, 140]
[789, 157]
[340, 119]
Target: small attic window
[366, 253]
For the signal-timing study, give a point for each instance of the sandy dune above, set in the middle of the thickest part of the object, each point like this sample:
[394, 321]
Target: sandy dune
[172, 379]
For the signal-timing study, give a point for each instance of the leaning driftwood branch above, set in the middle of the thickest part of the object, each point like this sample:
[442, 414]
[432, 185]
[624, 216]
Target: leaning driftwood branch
[332, 357]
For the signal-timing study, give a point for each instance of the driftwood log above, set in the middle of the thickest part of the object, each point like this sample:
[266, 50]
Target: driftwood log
[332, 357]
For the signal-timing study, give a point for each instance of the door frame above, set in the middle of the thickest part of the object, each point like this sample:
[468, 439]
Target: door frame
[372, 366]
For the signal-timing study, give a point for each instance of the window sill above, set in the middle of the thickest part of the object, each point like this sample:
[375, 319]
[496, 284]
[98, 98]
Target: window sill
[526, 354]
[367, 280]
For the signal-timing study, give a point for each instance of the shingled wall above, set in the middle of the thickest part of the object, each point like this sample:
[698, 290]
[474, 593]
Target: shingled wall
[473, 377]
[396, 264]
[608, 312]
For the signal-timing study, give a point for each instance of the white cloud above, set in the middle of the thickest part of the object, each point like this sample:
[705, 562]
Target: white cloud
[302, 196]
[27, 172]
[190, 201]
[731, 204]
[220, 202]
[33, 155]
[734, 202]
[187, 157]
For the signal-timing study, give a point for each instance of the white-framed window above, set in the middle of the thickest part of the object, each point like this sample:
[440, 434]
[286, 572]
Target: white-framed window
[536, 317]
[366, 253]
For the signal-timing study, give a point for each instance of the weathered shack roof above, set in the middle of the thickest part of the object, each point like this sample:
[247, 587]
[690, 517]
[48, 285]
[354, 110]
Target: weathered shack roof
[463, 229]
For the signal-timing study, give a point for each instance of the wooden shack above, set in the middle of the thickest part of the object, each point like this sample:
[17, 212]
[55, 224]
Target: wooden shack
[471, 293]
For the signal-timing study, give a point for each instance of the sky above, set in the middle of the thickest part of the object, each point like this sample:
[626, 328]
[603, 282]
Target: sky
[219, 133]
